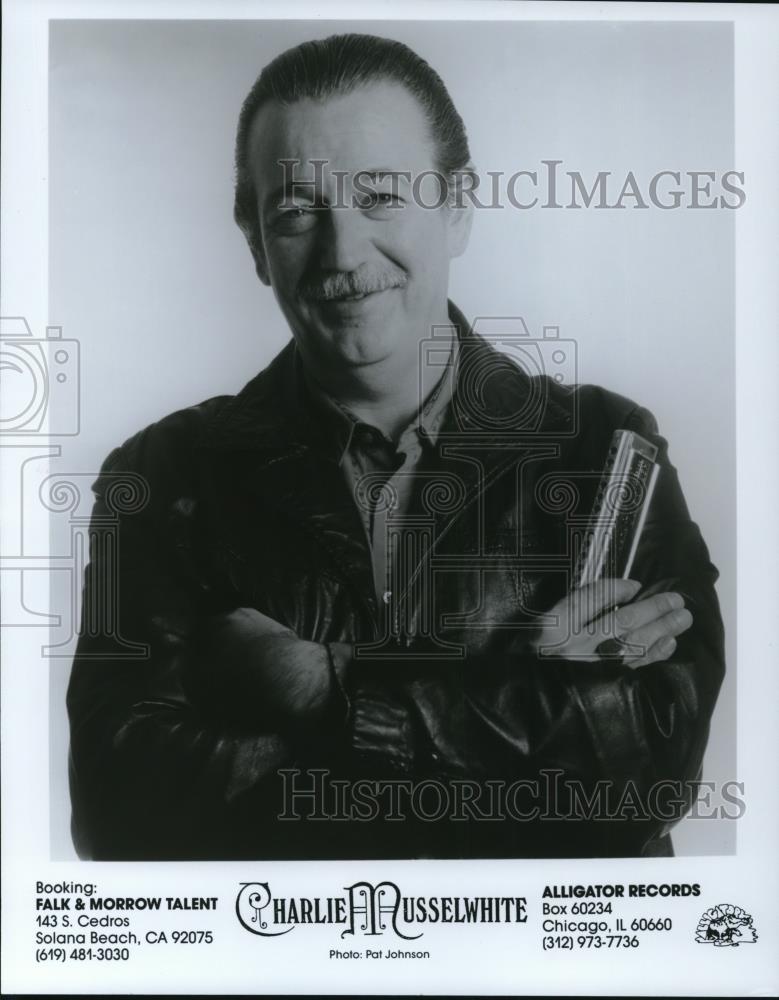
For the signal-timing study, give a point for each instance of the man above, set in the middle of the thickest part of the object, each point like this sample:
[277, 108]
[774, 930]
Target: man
[351, 583]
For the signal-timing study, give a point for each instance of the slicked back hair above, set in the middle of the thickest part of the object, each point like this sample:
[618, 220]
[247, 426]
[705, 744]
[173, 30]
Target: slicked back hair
[336, 66]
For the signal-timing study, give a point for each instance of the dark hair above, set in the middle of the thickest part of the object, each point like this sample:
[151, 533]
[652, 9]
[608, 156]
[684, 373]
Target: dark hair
[336, 66]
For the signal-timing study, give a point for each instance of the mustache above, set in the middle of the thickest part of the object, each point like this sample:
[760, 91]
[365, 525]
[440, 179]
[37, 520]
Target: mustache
[362, 281]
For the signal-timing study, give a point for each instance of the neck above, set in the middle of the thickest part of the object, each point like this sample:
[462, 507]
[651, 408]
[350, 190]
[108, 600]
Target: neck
[387, 394]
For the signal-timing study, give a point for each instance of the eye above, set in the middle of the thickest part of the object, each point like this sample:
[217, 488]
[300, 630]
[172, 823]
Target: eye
[297, 219]
[379, 201]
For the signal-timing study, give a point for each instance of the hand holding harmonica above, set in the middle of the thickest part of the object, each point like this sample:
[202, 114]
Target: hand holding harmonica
[595, 622]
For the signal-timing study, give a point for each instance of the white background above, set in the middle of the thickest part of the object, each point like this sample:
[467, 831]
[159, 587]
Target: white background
[140, 299]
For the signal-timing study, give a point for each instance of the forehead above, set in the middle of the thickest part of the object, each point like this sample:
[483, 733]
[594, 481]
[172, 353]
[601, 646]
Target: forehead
[377, 125]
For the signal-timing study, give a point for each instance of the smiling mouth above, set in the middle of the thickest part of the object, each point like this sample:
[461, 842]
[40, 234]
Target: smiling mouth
[347, 300]
[357, 297]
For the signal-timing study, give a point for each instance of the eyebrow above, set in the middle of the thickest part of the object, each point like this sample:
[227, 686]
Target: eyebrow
[379, 173]
[286, 190]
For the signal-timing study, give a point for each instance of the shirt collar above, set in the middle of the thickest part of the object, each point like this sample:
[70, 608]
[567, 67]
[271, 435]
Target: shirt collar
[338, 422]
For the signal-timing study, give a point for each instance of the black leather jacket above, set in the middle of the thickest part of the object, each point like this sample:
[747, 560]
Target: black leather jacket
[235, 503]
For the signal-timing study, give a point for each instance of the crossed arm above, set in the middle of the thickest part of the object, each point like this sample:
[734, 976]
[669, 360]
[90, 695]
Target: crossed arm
[295, 683]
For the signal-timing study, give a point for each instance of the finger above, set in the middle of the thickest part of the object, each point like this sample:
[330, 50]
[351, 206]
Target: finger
[660, 651]
[588, 602]
[634, 616]
[642, 639]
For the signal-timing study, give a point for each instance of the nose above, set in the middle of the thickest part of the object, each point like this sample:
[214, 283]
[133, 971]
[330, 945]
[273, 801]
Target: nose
[344, 241]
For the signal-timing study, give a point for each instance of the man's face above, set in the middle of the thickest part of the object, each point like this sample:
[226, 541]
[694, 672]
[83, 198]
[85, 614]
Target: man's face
[358, 265]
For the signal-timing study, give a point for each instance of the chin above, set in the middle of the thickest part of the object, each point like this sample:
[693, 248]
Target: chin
[362, 345]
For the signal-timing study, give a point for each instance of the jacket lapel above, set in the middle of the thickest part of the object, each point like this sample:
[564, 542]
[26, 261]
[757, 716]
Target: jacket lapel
[498, 418]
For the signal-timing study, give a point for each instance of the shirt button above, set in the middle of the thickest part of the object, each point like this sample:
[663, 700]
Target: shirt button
[387, 596]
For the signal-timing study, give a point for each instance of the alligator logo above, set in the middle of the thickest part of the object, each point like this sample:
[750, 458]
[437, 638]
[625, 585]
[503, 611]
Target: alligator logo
[725, 926]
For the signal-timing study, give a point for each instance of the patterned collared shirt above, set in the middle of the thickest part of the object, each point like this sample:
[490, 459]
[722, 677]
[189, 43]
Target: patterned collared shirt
[382, 476]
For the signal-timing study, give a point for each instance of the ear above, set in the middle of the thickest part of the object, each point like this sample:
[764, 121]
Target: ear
[460, 211]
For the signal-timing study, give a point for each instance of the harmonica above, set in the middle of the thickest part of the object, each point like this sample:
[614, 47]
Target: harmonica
[621, 504]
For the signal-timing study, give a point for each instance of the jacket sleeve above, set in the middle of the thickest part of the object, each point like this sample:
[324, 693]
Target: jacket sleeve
[156, 770]
[512, 715]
